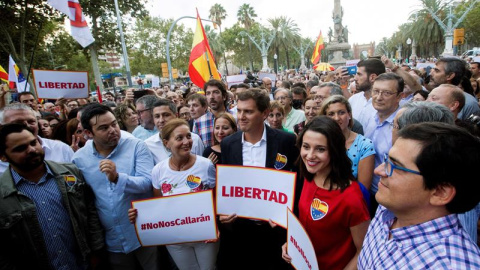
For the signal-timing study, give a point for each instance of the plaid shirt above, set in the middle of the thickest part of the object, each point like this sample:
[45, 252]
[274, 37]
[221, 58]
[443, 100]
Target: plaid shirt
[203, 127]
[441, 243]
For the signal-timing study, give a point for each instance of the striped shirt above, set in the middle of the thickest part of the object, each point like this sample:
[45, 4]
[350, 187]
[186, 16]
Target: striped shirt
[203, 127]
[53, 218]
[441, 243]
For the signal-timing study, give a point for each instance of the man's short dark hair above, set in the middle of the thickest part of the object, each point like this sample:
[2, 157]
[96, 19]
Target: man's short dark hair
[335, 89]
[258, 95]
[19, 95]
[372, 66]
[286, 85]
[392, 77]
[456, 66]
[201, 98]
[299, 84]
[312, 83]
[8, 129]
[243, 85]
[221, 86]
[165, 102]
[449, 157]
[91, 111]
[299, 91]
[109, 93]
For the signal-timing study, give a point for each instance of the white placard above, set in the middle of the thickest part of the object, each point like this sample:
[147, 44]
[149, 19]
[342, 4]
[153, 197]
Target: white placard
[176, 219]
[272, 77]
[299, 245]
[424, 65]
[53, 84]
[235, 79]
[353, 62]
[253, 192]
[155, 82]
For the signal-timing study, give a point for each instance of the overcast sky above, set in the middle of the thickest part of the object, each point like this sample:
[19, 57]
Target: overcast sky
[367, 20]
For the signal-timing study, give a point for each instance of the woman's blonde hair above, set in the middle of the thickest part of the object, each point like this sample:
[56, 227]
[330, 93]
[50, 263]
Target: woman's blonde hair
[337, 99]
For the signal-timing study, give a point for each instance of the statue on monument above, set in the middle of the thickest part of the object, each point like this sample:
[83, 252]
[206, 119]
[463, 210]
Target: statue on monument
[330, 34]
[339, 49]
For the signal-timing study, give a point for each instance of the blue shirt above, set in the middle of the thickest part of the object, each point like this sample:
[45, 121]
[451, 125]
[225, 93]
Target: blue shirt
[381, 136]
[441, 243]
[361, 148]
[134, 165]
[53, 218]
[143, 133]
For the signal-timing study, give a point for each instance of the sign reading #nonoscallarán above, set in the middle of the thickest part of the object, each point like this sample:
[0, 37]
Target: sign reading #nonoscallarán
[253, 192]
[299, 245]
[53, 84]
[183, 218]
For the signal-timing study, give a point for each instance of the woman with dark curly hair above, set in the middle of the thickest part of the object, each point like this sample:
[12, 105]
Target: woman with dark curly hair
[127, 117]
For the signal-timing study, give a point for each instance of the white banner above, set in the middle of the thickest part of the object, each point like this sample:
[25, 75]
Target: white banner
[353, 62]
[235, 79]
[424, 65]
[253, 192]
[60, 84]
[155, 82]
[184, 218]
[299, 245]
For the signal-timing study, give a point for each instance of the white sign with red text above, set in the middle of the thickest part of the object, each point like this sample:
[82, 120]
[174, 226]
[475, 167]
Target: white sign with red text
[352, 62]
[235, 79]
[53, 84]
[184, 218]
[299, 245]
[253, 192]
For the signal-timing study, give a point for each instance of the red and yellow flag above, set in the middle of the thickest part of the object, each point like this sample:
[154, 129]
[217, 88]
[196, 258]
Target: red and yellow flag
[317, 51]
[201, 67]
[3, 75]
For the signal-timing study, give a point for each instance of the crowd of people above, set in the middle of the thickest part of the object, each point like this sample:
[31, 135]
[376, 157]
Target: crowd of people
[389, 153]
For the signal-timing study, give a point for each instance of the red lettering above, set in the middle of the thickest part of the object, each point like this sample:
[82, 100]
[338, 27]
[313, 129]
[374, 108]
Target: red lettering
[256, 193]
[63, 85]
[81, 85]
[265, 193]
[273, 196]
[149, 226]
[57, 85]
[75, 85]
[238, 192]
[248, 192]
[43, 86]
[224, 194]
[51, 85]
[282, 198]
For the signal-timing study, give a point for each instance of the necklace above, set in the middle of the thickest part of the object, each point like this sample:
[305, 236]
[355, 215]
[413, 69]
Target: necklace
[179, 167]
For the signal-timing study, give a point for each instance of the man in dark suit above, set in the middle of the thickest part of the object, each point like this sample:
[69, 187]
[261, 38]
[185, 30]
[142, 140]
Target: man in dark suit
[245, 241]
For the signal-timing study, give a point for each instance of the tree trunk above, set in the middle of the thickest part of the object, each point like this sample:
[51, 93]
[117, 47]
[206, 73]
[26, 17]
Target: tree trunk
[94, 58]
[288, 58]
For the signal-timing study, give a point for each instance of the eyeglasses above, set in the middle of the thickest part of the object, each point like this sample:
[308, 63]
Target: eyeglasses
[141, 111]
[319, 97]
[281, 98]
[389, 167]
[383, 93]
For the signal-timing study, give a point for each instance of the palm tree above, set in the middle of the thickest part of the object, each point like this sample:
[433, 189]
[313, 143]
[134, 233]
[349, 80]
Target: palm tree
[287, 35]
[217, 14]
[245, 16]
[425, 30]
[215, 43]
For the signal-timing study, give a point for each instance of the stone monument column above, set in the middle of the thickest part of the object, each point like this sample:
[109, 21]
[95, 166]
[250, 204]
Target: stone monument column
[338, 49]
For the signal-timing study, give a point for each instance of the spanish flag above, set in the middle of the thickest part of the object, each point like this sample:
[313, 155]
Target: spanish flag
[202, 66]
[3, 75]
[317, 51]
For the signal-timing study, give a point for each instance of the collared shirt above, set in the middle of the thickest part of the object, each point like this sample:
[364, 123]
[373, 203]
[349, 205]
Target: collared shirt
[53, 218]
[406, 99]
[362, 108]
[441, 243]
[294, 117]
[255, 154]
[381, 136]
[54, 151]
[159, 152]
[143, 133]
[134, 165]
[471, 106]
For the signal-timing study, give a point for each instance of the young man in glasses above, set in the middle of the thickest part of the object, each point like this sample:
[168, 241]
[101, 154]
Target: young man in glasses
[425, 181]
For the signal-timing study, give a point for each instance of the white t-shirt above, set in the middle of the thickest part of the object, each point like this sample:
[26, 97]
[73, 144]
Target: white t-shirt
[159, 152]
[200, 176]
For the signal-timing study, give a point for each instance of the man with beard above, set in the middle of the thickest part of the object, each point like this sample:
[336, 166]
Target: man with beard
[22, 114]
[118, 169]
[216, 94]
[47, 213]
[361, 102]
[144, 112]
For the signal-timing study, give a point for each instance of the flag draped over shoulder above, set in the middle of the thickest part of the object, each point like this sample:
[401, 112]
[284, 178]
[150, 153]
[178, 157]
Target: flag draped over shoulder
[15, 75]
[317, 51]
[3, 75]
[201, 66]
[78, 26]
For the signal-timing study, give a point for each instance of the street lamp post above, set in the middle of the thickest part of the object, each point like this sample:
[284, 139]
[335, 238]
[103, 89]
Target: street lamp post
[275, 56]
[409, 42]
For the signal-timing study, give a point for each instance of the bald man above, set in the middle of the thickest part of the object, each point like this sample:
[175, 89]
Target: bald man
[450, 96]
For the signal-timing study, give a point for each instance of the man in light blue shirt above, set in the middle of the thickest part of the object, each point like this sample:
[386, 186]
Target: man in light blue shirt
[119, 171]
[387, 91]
[144, 111]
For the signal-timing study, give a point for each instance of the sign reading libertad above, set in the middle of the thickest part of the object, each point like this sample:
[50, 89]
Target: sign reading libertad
[61, 84]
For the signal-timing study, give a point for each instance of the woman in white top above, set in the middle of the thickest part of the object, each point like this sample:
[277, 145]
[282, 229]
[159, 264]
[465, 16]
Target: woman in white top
[184, 172]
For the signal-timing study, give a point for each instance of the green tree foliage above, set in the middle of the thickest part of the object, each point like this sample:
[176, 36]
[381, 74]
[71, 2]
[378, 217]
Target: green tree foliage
[217, 14]
[471, 24]
[147, 45]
